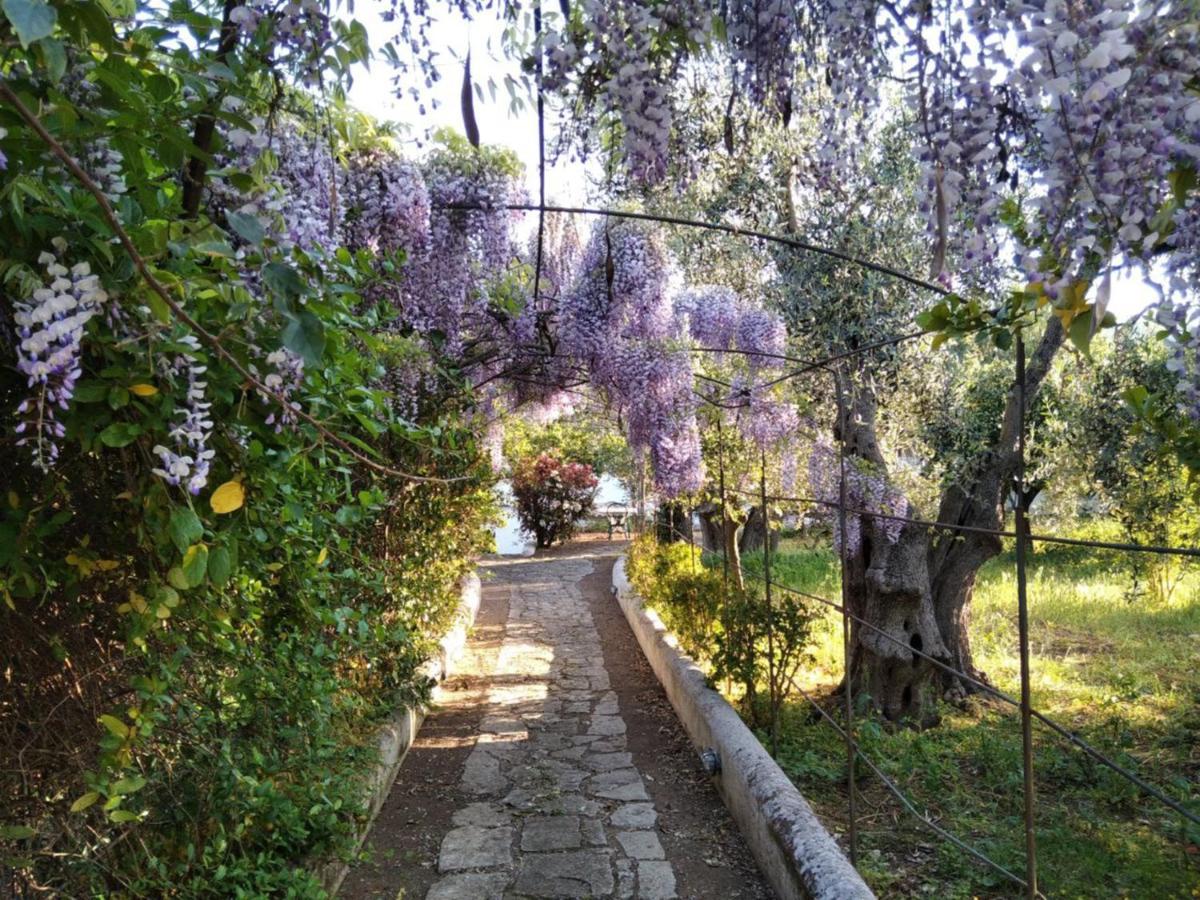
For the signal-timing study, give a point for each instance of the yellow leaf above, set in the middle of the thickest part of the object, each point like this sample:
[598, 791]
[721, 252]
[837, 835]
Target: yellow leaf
[125, 495]
[323, 555]
[106, 565]
[137, 601]
[143, 390]
[85, 801]
[228, 497]
[1065, 316]
[13, 500]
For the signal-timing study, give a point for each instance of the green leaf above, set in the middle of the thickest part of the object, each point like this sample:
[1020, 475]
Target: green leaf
[305, 335]
[31, 19]
[248, 227]
[123, 815]
[115, 726]
[54, 55]
[185, 528]
[17, 832]
[177, 579]
[1081, 333]
[220, 565]
[129, 785]
[283, 279]
[120, 434]
[85, 801]
[195, 564]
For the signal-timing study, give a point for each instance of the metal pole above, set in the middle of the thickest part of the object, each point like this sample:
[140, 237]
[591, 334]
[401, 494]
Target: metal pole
[1022, 529]
[724, 510]
[847, 643]
[772, 693]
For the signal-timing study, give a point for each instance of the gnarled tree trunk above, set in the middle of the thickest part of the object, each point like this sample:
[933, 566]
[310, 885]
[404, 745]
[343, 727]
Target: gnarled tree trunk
[916, 591]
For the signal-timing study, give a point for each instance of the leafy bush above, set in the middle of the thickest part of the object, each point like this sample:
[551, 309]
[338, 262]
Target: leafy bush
[552, 496]
[732, 631]
[207, 601]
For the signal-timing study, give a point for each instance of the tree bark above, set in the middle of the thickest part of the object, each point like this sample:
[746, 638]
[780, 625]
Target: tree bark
[978, 502]
[196, 168]
[889, 587]
[710, 517]
[916, 591]
[754, 533]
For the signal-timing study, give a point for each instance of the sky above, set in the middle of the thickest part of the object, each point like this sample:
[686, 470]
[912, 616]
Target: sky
[566, 180]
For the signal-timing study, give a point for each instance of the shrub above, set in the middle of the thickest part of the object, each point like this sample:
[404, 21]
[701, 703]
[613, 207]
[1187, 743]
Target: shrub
[552, 495]
[731, 631]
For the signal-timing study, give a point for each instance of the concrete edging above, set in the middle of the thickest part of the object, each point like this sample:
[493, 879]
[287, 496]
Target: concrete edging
[796, 854]
[396, 736]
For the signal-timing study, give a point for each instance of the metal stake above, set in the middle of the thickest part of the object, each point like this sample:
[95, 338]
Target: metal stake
[1022, 529]
[848, 687]
[770, 610]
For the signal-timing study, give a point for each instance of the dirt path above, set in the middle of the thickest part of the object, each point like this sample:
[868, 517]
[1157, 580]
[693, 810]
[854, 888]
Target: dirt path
[554, 765]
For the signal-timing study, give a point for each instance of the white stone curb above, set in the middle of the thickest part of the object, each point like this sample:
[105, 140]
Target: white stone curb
[792, 847]
[396, 736]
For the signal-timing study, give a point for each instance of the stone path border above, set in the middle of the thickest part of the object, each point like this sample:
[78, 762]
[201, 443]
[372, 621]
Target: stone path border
[793, 849]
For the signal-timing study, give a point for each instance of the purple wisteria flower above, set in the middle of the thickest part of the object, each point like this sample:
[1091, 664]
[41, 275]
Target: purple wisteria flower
[49, 351]
[284, 379]
[865, 490]
[188, 461]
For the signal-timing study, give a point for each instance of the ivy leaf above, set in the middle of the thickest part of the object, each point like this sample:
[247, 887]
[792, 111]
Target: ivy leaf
[195, 564]
[120, 434]
[185, 528]
[248, 227]
[228, 498]
[305, 335]
[31, 19]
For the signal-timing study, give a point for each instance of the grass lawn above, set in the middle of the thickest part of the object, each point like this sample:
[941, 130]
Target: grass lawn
[1124, 674]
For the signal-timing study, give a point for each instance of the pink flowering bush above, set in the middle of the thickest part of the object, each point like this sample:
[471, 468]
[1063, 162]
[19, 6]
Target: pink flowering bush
[552, 496]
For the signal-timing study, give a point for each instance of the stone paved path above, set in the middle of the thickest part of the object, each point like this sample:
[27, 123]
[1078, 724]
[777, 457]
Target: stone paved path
[561, 809]
[553, 765]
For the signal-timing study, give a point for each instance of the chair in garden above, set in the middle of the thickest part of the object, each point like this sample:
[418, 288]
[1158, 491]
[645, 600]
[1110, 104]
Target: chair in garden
[617, 515]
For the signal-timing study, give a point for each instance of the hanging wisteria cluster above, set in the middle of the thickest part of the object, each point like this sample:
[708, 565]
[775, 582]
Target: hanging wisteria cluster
[50, 333]
[300, 204]
[619, 45]
[762, 37]
[298, 32]
[187, 462]
[721, 324]
[865, 490]
[620, 321]
[386, 203]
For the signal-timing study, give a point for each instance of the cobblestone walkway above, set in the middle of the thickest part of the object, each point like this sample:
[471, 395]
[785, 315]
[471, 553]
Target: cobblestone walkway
[559, 809]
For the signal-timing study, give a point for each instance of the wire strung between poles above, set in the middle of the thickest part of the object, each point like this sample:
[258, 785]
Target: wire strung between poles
[975, 529]
[795, 243]
[899, 795]
[1060, 730]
